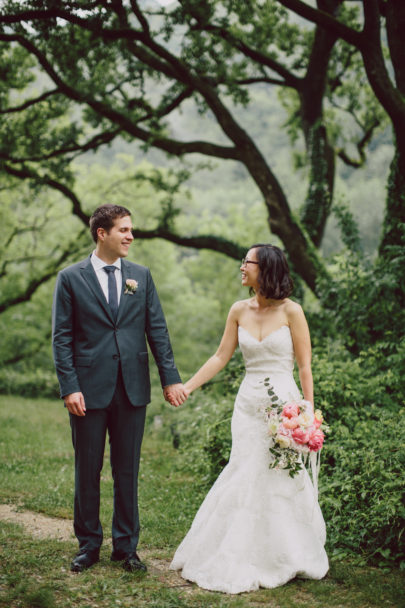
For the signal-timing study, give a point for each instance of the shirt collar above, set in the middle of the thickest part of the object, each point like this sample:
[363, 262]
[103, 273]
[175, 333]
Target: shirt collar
[98, 263]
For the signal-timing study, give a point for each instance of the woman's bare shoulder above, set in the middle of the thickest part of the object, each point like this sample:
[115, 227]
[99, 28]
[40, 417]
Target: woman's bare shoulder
[240, 306]
[293, 309]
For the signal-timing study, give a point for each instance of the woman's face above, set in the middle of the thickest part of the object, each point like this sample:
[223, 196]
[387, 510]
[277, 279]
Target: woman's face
[250, 269]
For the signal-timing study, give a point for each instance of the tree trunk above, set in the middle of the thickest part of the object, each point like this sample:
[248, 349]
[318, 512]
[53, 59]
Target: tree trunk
[393, 232]
[319, 197]
[320, 154]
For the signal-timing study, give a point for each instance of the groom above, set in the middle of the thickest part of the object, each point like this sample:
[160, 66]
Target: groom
[104, 310]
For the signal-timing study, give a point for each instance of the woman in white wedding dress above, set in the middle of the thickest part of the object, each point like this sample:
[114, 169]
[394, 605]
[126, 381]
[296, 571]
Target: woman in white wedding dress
[258, 527]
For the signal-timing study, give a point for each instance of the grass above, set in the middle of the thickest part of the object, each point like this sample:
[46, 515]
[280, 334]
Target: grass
[36, 472]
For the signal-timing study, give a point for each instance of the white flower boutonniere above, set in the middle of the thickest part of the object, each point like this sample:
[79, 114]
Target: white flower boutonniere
[130, 286]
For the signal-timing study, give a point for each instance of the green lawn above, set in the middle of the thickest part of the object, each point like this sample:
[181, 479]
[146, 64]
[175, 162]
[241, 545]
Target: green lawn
[36, 473]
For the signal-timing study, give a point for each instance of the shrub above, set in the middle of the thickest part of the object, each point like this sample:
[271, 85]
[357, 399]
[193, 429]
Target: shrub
[364, 303]
[361, 485]
[345, 386]
[30, 383]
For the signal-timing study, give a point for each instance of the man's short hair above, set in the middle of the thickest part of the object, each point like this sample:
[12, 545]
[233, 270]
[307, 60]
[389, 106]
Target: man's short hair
[104, 217]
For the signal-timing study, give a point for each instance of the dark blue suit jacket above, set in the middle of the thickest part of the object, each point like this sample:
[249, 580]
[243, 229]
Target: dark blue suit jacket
[88, 345]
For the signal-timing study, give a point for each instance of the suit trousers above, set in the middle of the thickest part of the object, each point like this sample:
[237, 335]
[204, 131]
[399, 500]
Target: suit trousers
[125, 425]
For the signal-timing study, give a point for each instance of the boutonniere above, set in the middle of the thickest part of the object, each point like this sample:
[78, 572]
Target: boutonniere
[130, 286]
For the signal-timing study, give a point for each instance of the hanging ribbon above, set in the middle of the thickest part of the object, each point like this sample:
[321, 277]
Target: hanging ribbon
[315, 463]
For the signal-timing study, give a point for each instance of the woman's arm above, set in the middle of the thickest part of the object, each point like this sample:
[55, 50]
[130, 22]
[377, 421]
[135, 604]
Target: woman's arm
[302, 349]
[225, 351]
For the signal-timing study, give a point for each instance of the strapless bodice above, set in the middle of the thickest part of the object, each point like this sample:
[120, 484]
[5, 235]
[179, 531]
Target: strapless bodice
[274, 353]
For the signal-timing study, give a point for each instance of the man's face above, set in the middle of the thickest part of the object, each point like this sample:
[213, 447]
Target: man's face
[115, 243]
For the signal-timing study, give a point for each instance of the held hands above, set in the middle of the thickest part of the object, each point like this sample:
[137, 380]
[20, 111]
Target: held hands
[175, 394]
[75, 404]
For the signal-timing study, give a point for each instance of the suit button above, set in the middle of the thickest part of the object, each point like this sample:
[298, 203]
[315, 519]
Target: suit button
[116, 356]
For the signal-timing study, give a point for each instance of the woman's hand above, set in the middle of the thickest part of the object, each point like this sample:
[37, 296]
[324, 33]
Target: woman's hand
[187, 389]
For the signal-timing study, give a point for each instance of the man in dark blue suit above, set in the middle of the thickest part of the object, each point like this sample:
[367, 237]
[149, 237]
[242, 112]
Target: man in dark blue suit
[104, 311]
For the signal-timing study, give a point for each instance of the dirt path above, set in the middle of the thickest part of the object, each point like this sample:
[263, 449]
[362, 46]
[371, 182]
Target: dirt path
[41, 526]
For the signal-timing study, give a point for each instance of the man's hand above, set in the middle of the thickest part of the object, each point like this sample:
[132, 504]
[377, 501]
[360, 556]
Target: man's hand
[75, 404]
[175, 394]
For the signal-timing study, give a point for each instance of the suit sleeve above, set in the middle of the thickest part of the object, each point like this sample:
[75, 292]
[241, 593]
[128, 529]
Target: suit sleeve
[158, 337]
[62, 336]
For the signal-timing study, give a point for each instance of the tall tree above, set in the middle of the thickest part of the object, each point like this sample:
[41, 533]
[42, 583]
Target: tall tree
[114, 68]
[379, 16]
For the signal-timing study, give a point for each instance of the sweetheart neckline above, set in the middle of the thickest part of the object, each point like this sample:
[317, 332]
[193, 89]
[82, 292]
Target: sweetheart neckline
[265, 337]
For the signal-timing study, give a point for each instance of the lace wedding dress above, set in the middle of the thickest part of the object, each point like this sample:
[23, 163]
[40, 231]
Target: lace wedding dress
[257, 527]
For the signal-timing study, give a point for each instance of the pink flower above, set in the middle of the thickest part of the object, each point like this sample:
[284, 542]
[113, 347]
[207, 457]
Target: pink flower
[290, 423]
[315, 442]
[282, 430]
[300, 435]
[318, 419]
[290, 410]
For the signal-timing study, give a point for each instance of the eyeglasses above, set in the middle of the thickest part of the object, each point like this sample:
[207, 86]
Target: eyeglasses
[246, 261]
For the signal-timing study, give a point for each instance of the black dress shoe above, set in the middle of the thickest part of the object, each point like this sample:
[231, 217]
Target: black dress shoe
[84, 560]
[118, 556]
[132, 563]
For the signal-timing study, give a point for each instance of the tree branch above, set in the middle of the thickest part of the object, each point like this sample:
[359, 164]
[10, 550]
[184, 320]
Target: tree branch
[324, 19]
[361, 144]
[23, 260]
[25, 173]
[263, 79]
[36, 282]
[94, 142]
[259, 57]
[30, 102]
[212, 242]
[169, 145]
[368, 42]
[140, 16]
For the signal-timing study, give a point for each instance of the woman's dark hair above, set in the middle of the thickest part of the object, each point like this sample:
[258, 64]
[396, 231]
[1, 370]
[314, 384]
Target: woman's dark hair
[104, 217]
[274, 275]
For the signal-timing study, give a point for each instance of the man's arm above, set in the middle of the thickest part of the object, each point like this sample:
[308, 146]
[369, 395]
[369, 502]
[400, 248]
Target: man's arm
[62, 342]
[159, 342]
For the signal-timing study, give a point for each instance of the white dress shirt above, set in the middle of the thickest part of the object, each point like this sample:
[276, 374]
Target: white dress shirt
[102, 276]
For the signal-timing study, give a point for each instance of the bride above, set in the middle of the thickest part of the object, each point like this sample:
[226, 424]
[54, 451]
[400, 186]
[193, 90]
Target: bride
[258, 527]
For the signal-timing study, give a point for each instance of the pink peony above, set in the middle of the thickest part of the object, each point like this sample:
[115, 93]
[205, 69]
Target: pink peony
[290, 410]
[315, 442]
[290, 423]
[282, 430]
[300, 435]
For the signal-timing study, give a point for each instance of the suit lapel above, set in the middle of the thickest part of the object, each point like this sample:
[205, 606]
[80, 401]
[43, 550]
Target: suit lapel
[126, 300]
[124, 277]
[91, 279]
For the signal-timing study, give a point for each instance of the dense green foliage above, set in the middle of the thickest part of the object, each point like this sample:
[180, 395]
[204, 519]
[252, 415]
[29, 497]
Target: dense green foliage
[362, 487]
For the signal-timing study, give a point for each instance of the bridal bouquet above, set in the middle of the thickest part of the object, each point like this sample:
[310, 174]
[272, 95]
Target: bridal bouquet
[295, 431]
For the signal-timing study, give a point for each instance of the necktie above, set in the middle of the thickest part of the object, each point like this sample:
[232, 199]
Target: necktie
[112, 290]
